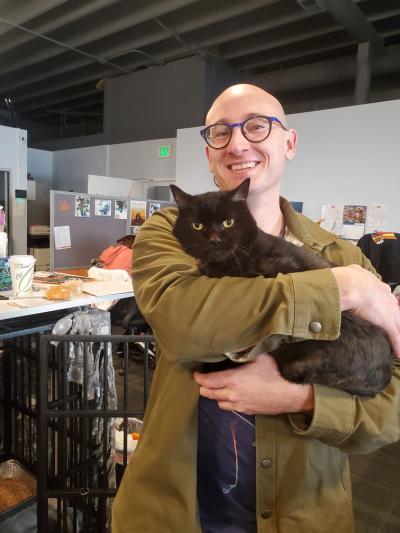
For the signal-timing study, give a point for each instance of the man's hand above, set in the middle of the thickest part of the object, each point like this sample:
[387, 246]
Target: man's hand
[255, 387]
[364, 295]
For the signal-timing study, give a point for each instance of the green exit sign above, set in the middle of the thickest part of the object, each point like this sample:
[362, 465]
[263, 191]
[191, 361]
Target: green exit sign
[164, 151]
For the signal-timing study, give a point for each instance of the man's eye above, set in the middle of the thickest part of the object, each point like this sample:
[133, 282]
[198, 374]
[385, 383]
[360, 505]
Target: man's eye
[228, 223]
[256, 127]
[197, 226]
[219, 132]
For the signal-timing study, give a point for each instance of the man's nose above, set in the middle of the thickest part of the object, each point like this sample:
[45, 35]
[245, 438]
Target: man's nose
[238, 142]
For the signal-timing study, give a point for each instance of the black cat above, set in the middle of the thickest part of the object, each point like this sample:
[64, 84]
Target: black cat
[218, 230]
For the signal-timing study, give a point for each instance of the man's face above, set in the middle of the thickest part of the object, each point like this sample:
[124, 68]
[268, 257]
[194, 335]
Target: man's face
[262, 162]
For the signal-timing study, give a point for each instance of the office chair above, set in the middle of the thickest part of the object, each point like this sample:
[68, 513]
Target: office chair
[126, 319]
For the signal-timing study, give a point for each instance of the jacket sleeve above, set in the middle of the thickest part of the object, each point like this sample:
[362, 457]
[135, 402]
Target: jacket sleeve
[353, 424]
[197, 318]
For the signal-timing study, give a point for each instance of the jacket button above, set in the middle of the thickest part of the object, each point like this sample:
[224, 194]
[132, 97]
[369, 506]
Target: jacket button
[266, 513]
[266, 463]
[315, 327]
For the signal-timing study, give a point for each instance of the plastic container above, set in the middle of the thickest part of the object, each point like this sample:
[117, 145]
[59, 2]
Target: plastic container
[13, 470]
[133, 429]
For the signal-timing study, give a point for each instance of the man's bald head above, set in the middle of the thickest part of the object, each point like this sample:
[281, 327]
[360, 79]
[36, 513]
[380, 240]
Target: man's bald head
[236, 93]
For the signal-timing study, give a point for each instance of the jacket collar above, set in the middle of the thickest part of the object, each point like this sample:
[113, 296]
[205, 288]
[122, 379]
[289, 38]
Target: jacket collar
[304, 229]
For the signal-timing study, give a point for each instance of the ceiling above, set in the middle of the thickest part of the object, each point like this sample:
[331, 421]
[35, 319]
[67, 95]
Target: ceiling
[54, 54]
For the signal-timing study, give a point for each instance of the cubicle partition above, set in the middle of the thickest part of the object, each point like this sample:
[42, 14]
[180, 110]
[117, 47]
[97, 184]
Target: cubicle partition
[83, 225]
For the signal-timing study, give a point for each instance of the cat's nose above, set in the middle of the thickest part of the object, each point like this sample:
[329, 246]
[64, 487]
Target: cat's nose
[214, 239]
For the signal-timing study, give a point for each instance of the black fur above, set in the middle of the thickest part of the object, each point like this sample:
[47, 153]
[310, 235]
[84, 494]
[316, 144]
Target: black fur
[359, 361]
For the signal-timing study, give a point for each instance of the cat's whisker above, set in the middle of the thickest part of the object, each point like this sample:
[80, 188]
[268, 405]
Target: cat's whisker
[244, 250]
[237, 263]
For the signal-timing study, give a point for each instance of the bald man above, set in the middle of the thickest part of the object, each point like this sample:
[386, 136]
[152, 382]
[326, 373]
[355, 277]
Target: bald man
[242, 450]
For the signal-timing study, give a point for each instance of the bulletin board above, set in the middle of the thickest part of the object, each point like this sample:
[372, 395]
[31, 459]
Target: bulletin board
[93, 229]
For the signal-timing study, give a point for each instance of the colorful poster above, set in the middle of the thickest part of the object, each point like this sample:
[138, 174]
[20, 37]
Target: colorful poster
[102, 208]
[121, 209]
[138, 212]
[354, 217]
[354, 214]
[82, 206]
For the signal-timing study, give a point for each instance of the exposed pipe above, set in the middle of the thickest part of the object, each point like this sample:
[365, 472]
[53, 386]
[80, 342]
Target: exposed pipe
[155, 60]
[363, 75]
[180, 40]
[100, 60]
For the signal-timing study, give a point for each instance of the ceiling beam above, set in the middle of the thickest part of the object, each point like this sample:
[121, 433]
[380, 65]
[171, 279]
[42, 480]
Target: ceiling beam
[255, 44]
[280, 57]
[61, 96]
[126, 18]
[56, 17]
[21, 12]
[325, 73]
[353, 20]
[192, 22]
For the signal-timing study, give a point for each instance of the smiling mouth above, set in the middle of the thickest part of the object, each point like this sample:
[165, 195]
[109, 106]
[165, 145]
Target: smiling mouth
[243, 166]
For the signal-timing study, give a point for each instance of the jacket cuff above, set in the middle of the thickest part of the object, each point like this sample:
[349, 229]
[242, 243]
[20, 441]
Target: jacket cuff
[333, 418]
[316, 305]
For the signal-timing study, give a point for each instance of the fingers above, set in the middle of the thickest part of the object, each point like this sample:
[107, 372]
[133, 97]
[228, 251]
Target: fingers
[366, 296]
[394, 336]
[213, 380]
[393, 327]
[220, 395]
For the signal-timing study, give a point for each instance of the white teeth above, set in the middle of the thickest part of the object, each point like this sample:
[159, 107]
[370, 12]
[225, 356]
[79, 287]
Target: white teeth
[242, 166]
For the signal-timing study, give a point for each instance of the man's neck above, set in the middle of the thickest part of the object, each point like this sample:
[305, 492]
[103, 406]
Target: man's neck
[267, 213]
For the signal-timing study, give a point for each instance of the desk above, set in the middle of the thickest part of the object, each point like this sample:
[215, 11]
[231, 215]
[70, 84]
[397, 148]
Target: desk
[45, 306]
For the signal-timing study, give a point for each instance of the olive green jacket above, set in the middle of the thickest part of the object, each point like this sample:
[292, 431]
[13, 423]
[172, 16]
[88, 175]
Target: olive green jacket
[306, 486]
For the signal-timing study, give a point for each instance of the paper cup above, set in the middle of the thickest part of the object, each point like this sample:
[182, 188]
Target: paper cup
[21, 269]
[5, 278]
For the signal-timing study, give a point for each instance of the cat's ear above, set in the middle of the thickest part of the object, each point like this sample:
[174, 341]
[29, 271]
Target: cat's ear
[182, 198]
[241, 192]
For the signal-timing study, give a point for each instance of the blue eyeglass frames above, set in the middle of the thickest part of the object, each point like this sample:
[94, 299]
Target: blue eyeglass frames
[254, 129]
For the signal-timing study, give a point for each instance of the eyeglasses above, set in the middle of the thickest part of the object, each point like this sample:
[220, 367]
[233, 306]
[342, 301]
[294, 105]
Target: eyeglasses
[254, 129]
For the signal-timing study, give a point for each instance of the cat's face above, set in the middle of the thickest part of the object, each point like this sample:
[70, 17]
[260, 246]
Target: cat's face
[214, 225]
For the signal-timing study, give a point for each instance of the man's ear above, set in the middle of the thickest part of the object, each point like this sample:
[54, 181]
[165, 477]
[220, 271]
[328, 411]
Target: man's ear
[291, 143]
[181, 198]
[241, 192]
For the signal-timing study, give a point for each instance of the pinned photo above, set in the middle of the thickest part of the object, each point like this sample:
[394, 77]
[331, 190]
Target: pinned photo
[82, 206]
[138, 213]
[102, 208]
[153, 207]
[121, 209]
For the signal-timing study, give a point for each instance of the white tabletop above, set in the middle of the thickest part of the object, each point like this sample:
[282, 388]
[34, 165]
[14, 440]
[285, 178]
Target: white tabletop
[7, 310]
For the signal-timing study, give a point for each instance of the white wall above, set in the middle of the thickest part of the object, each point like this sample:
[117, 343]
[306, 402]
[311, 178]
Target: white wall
[110, 186]
[13, 158]
[346, 155]
[40, 164]
[71, 167]
[139, 160]
[134, 160]
[192, 173]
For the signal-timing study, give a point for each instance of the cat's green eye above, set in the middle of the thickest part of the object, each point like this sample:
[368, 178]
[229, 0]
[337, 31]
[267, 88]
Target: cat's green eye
[198, 226]
[228, 223]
